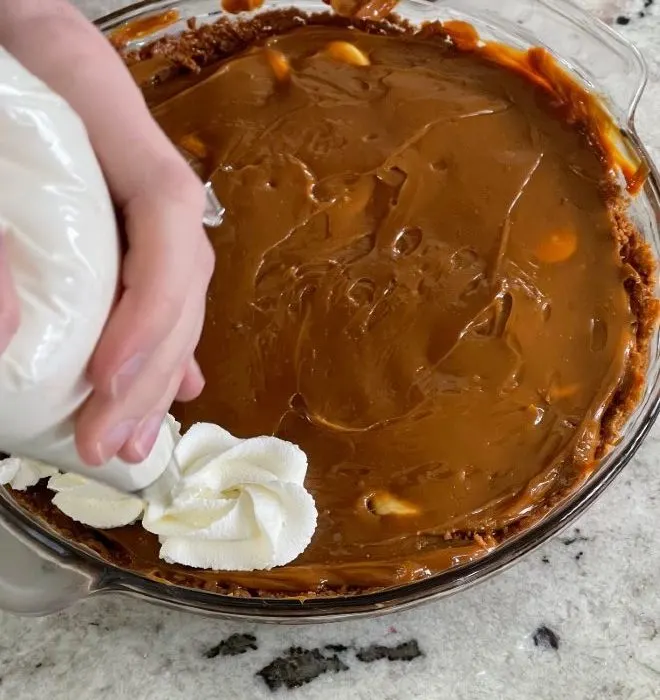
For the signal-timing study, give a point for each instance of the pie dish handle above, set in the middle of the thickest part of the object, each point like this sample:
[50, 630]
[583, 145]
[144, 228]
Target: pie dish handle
[36, 578]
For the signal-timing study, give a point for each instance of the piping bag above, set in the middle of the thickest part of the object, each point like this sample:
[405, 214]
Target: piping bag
[60, 234]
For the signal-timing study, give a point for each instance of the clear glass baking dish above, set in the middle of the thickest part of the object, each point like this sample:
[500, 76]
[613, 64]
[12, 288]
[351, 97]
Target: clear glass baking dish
[40, 572]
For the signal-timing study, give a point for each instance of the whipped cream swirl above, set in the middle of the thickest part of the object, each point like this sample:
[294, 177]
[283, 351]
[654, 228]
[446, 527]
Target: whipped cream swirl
[240, 504]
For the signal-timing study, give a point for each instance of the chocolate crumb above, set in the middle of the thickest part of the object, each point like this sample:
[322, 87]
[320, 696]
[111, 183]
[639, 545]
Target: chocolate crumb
[39, 665]
[622, 20]
[299, 666]
[407, 651]
[544, 637]
[579, 555]
[577, 537]
[233, 646]
[545, 559]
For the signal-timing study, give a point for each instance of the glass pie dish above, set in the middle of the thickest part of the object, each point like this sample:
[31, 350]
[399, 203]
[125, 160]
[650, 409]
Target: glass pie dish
[48, 573]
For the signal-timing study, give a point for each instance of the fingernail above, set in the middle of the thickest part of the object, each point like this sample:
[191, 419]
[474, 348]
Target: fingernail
[126, 374]
[146, 435]
[115, 439]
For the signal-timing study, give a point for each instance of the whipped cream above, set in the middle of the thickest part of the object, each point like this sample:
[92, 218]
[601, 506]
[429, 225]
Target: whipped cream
[20, 474]
[240, 504]
[93, 503]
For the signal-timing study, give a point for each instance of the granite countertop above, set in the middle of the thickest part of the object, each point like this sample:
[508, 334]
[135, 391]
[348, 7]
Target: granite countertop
[577, 619]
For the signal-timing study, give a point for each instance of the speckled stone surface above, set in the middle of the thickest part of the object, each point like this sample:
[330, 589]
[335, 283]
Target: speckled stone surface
[578, 619]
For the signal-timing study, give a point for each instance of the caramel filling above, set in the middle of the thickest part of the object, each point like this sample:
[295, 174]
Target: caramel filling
[417, 282]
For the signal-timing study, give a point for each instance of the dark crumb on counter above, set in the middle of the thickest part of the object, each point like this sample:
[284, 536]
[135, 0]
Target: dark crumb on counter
[233, 646]
[622, 20]
[339, 648]
[545, 638]
[572, 539]
[299, 666]
[579, 556]
[545, 559]
[39, 665]
[407, 651]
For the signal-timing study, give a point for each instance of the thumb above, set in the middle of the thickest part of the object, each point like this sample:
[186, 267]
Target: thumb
[9, 307]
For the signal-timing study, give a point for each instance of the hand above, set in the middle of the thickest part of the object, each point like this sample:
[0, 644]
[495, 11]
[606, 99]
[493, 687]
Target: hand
[9, 308]
[145, 357]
